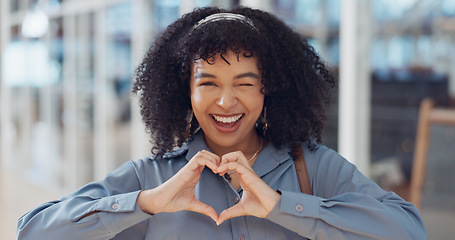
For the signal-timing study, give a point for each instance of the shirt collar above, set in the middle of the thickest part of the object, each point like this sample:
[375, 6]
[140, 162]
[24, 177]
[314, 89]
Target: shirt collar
[269, 158]
[196, 144]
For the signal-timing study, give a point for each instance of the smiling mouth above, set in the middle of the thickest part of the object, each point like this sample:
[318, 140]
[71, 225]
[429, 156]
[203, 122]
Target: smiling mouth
[227, 124]
[227, 120]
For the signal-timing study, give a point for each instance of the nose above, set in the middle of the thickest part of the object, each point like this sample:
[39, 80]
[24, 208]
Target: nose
[228, 98]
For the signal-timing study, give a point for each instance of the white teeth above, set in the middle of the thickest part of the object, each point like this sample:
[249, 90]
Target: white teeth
[227, 119]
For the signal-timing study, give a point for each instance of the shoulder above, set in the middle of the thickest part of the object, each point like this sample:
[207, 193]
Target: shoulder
[154, 170]
[321, 159]
[331, 174]
[176, 154]
[181, 152]
[318, 152]
[170, 159]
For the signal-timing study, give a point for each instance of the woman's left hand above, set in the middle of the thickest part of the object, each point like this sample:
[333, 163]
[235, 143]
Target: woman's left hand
[258, 198]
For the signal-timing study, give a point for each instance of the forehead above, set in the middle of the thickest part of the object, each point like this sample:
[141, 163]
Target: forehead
[233, 61]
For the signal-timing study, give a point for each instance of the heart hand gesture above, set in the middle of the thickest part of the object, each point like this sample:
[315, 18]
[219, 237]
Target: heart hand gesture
[177, 193]
[258, 198]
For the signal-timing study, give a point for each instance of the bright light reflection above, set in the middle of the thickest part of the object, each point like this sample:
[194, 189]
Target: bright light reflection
[28, 64]
[35, 24]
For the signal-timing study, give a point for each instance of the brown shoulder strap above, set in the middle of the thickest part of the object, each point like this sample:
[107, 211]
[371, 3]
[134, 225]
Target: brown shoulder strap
[302, 172]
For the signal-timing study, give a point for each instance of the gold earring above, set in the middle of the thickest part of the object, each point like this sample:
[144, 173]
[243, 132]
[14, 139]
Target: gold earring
[264, 122]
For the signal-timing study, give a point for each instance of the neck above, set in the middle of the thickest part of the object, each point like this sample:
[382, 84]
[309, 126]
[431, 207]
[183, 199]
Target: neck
[248, 147]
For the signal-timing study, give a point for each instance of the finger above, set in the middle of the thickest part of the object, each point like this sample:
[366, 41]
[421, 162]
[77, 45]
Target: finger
[207, 162]
[232, 166]
[205, 158]
[212, 155]
[234, 211]
[233, 157]
[224, 168]
[200, 207]
[209, 155]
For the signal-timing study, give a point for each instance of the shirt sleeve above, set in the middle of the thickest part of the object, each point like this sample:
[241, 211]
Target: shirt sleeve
[345, 205]
[111, 203]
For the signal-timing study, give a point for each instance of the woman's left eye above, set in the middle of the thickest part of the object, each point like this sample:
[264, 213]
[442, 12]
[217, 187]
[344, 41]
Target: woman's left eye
[246, 84]
[208, 84]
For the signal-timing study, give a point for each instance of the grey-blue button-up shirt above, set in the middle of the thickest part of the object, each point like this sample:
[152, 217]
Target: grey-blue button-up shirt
[344, 205]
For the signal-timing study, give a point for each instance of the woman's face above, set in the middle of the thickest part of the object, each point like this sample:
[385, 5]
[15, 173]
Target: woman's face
[227, 99]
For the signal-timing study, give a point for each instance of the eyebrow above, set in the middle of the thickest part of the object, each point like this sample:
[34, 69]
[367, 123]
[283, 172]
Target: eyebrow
[204, 75]
[248, 74]
[243, 75]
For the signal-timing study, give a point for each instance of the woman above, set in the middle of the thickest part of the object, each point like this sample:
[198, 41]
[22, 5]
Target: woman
[227, 96]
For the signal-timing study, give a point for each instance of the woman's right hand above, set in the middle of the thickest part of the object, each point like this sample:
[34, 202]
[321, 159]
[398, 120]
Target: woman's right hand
[177, 193]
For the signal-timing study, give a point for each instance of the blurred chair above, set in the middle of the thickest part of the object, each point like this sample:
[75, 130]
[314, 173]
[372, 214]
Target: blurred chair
[428, 115]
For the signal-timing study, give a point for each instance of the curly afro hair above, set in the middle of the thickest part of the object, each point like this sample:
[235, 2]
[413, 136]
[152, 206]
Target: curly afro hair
[296, 82]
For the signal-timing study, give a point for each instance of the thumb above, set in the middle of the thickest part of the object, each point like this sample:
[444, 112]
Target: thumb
[200, 207]
[234, 211]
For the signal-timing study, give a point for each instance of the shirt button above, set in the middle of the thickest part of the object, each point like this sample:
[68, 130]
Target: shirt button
[241, 237]
[115, 206]
[236, 200]
[299, 208]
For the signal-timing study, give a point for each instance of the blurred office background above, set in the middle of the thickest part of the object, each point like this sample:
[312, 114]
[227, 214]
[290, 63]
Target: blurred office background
[68, 117]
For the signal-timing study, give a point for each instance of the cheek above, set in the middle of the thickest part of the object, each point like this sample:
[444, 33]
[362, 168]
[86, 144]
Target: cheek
[257, 103]
[197, 102]
[194, 94]
[195, 97]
